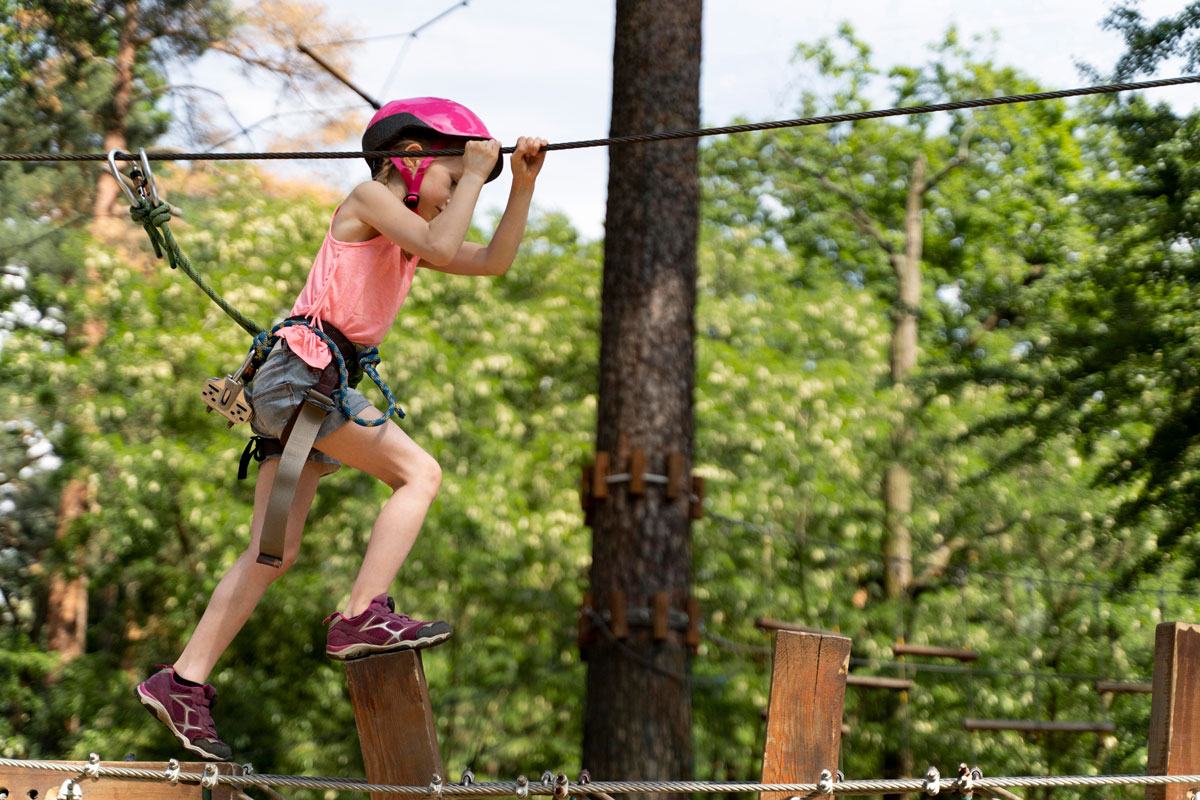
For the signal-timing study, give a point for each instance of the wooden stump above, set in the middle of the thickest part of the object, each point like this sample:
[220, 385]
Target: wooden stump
[804, 716]
[23, 783]
[1175, 709]
[395, 720]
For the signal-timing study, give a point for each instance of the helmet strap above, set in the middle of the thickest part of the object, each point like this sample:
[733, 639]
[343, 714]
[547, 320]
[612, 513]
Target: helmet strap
[412, 180]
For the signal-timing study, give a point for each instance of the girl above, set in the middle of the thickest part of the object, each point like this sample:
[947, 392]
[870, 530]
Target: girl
[414, 212]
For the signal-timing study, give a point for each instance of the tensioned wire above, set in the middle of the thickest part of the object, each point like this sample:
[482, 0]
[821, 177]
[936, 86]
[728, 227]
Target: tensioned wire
[930, 785]
[688, 133]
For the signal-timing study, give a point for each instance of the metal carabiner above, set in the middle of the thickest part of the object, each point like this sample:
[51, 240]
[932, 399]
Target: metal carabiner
[146, 178]
[122, 181]
[141, 177]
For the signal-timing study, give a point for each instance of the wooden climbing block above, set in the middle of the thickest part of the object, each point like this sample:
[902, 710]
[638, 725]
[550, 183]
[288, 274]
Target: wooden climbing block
[1174, 742]
[395, 720]
[23, 783]
[804, 714]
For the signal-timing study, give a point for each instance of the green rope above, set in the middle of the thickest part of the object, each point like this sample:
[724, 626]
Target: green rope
[154, 219]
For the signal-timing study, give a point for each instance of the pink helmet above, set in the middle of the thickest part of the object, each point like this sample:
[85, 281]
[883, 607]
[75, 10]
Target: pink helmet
[422, 116]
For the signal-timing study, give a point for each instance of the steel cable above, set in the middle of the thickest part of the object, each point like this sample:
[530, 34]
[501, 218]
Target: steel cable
[688, 133]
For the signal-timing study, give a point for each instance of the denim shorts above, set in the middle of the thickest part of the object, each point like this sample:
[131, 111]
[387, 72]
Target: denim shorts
[278, 388]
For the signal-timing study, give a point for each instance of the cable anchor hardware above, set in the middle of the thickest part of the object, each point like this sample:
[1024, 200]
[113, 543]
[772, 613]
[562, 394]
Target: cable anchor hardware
[933, 781]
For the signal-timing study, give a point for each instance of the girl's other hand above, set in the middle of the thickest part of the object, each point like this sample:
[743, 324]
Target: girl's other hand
[479, 156]
[527, 159]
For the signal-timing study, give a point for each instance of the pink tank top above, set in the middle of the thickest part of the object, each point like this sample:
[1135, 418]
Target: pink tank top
[358, 287]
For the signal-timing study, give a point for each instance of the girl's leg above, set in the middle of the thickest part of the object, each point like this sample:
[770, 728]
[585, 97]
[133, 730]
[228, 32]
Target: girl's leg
[246, 581]
[387, 453]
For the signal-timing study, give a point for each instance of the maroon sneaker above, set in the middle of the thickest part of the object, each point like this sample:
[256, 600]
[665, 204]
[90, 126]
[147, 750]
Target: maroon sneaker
[185, 710]
[380, 629]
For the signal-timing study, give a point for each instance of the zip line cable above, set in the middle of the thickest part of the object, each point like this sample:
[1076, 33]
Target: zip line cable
[688, 133]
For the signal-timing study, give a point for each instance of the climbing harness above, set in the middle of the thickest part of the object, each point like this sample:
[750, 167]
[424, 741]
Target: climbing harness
[227, 396]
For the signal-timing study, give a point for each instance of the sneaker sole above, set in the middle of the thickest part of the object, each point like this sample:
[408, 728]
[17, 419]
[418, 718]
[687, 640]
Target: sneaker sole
[157, 710]
[362, 650]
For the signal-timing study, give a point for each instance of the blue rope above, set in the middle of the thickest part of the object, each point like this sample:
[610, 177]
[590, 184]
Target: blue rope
[367, 359]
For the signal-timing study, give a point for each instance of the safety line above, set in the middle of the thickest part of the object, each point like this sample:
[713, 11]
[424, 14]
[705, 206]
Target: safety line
[689, 133]
[932, 784]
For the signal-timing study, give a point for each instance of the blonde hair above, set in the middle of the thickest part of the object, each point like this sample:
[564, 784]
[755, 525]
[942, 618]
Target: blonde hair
[388, 170]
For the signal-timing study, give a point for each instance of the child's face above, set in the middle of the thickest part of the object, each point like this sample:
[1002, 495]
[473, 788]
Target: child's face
[437, 186]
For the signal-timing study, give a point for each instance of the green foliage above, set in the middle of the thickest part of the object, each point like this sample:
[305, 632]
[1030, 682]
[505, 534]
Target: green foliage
[1054, 268]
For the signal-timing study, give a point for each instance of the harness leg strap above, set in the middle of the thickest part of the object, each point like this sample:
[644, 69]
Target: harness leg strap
[307, 423]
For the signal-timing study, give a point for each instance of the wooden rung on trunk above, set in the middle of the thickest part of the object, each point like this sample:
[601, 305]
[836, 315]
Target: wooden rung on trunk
[804, 715]
[1037, 726]
[23, 783]
[394, 719]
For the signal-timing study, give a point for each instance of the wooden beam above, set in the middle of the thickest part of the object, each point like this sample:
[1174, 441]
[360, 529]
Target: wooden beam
[1038, 726]
[804, 715]
[879, 682]
[1117, 687]
[1174, 743]
[20, 781]
[395, 720]
[901, 649]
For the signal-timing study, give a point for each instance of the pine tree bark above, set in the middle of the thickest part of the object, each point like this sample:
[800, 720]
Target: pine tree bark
[638, 716]
[107, 189]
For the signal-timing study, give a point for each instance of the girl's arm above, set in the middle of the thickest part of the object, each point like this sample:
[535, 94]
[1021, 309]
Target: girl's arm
[498, 255]
[439, 240]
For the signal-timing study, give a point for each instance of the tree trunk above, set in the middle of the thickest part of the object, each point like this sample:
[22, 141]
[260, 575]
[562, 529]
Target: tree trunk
[67, 602]
[107, 189]
[897, 479]
[638, 716]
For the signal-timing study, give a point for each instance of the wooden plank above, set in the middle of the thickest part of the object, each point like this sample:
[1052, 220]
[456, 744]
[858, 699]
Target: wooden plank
[1174, 742]
[768, 624]
[1118, 687]
[1038, 726]
[879, 682]
[804, 714]
[674, 475]
[902, 649]
[697, 508]
[18, 782]
[692, 637]
[618, 623]
[661, 619]
[600, 476]
[395, 720]
[637, 472]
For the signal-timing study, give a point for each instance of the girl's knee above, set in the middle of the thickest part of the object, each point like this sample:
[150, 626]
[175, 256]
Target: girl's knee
[425, 475]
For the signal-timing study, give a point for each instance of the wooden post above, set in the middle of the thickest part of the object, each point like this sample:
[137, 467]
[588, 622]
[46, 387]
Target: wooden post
[1175, 709]
[804, 716]
[395, 720]
[22, 783]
